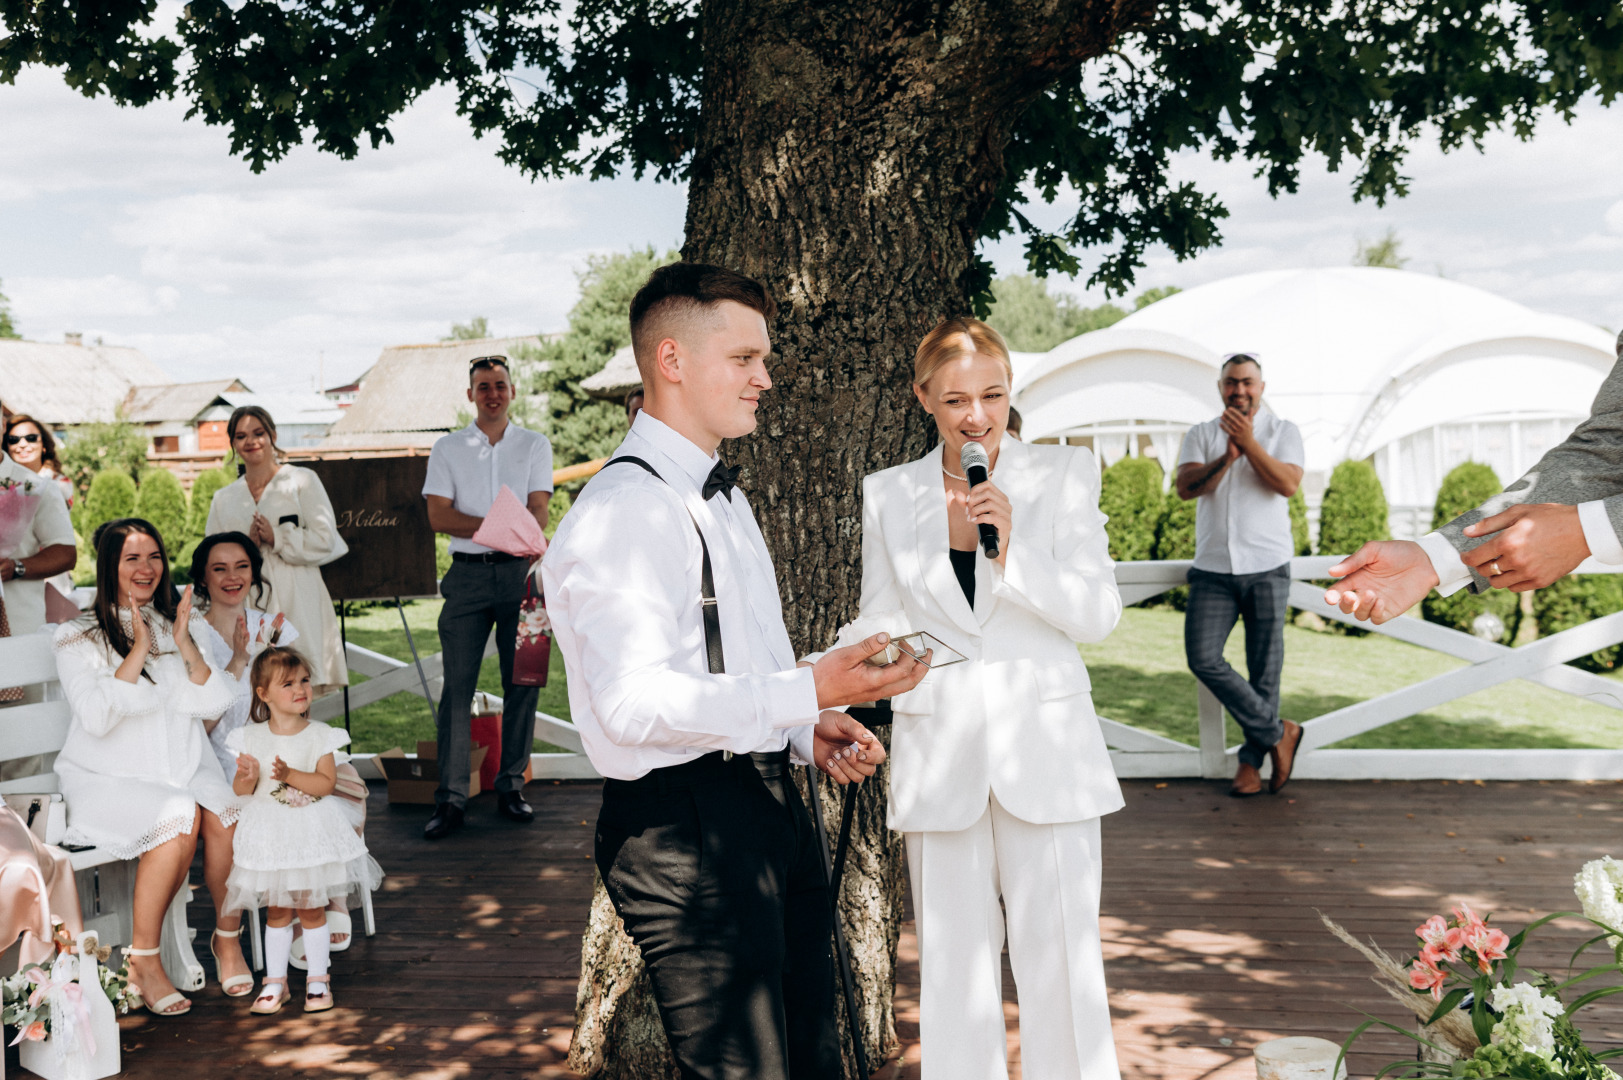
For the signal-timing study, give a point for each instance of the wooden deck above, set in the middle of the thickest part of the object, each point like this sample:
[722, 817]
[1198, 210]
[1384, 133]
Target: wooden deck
[1212, 942]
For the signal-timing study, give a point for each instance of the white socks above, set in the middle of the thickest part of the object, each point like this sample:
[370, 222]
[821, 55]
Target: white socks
[317, 950]
[278, 947]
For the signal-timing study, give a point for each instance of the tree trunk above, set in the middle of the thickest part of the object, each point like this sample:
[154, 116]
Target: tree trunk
[846, 156]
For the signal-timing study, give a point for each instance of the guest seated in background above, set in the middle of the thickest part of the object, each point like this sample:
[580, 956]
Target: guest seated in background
[232, 593]
[136, 770]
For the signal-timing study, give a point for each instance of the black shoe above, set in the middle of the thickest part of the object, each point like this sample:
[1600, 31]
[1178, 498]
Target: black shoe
[447, 819]
[511, 805]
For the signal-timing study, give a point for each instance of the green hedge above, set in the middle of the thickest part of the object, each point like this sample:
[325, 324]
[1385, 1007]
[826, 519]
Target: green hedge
[1131, 496]
[1354, 510]
[1577, 599]
[203, 489]
[1465, 488]
[1175, 539]
[112, 496]
[1301, 542]
[162, 501]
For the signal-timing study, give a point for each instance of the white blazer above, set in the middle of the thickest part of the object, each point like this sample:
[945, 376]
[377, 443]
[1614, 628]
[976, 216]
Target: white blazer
[1016, 719]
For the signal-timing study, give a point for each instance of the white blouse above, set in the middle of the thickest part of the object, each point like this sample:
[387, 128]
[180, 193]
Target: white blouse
[218, 650]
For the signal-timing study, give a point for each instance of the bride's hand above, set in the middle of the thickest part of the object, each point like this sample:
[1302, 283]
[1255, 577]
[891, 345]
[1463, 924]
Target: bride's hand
[989, 506]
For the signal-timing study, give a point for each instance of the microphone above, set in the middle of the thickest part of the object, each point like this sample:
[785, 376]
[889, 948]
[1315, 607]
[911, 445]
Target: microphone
[973, 460]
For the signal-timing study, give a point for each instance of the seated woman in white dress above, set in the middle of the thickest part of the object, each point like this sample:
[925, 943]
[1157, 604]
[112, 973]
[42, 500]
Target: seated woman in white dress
[232, 594]
[284, 509]
[136, 769]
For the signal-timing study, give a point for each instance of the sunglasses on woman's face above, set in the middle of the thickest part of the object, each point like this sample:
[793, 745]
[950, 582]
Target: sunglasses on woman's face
[13, 440]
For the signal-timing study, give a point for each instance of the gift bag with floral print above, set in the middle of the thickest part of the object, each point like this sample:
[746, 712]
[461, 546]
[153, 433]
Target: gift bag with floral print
[533, 654]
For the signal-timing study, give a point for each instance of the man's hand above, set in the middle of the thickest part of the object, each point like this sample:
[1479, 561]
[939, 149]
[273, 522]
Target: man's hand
[1536, 544]
[1382, 580]
[845, 749]
[844, 676]
[1237, 426]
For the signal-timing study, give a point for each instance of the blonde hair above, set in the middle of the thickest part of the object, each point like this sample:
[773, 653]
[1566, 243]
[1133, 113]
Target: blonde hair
[268, 665]
[954, 339]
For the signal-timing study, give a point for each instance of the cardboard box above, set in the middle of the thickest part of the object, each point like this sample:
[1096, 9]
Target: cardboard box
[414, 780]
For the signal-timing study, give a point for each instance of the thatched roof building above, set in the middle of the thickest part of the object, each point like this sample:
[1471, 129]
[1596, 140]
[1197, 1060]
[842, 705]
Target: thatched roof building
[70, 384]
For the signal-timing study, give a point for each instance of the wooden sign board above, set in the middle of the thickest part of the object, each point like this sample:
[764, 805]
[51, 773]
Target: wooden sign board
[384, 520]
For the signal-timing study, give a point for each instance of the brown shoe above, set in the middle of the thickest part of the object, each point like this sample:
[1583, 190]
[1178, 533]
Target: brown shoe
[1247, 782]
[1284, 756]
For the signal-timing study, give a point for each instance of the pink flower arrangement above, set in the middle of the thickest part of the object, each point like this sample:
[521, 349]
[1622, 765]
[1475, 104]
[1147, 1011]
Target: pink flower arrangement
[1466, 938]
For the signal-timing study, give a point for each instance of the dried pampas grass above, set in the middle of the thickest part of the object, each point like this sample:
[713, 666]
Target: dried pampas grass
[1453, 1031]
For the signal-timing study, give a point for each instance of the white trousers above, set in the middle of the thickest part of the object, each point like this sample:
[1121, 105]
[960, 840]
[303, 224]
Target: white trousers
[1048, 877]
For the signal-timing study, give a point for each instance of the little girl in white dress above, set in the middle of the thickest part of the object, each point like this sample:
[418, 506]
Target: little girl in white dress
[295, 848]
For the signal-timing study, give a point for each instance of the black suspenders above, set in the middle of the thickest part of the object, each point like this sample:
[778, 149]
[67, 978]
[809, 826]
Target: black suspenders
[707, 583]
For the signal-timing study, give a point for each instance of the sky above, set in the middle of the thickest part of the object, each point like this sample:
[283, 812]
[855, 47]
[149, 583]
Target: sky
[137, 227]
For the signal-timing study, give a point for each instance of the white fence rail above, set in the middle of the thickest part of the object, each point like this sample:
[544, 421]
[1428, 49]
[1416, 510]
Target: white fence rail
[1140, 753]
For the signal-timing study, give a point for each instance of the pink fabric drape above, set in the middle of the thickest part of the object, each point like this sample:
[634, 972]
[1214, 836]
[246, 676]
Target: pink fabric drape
[36, 881]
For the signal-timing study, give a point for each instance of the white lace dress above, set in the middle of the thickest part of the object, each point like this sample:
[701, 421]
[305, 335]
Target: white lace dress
[136, 763]
[294, 850]
[218, 651]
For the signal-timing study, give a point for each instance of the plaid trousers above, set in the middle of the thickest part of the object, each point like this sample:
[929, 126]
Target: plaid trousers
[1216, 603]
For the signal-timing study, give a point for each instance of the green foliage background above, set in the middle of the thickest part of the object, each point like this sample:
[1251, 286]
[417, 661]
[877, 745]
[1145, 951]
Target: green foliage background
[8, 329]
[1301, 542]
[582, 428]
[1131, 496]
[203, 489]
[1032, 319]
[1354, 510]
[1576, 599]
[1175, 539]
[89, 449]
[112, 496]
[1466, 487]
[161, 500]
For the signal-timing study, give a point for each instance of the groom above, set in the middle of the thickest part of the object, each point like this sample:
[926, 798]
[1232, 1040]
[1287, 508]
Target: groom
[683, 683]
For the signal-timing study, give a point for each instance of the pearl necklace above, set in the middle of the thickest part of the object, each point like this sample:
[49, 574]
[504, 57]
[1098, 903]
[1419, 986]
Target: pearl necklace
[965, 479]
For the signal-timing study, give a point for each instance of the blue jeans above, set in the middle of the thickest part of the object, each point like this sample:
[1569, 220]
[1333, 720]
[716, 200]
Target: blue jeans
[1216, 603]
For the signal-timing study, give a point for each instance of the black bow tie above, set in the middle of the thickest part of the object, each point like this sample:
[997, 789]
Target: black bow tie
[721, 481]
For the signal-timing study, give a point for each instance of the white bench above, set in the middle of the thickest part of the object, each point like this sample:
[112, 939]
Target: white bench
[106, 884]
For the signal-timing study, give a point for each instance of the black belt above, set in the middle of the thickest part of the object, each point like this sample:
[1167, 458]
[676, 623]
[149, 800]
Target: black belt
[716, 765]
[484, 557]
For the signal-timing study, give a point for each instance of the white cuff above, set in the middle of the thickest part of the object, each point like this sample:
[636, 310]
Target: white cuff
[790, 698]
[1599, 533]
[800, 746]
[1452, 573]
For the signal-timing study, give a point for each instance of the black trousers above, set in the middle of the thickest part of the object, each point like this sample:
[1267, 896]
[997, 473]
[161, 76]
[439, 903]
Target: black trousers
[713, 866]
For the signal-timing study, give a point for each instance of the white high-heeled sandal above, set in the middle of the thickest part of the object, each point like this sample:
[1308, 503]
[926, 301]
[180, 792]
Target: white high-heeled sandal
[242, 984]
[161, 1007]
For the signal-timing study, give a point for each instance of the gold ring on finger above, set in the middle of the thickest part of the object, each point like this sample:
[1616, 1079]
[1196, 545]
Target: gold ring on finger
[1494, 566]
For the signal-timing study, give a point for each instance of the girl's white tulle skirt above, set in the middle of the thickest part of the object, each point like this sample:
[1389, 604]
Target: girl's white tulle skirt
[299, 857]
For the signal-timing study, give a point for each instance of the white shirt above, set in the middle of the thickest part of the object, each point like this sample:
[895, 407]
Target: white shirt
[25, 599]
[1243, 526]
[1453, 575]
[622, 577]
[469, 469]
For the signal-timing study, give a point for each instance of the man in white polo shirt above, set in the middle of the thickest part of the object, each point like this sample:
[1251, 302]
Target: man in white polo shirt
[483, 588]
[48, 549]
[1243, 466]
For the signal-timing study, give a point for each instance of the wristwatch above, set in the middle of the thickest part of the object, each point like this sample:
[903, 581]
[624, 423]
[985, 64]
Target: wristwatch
[18, 570]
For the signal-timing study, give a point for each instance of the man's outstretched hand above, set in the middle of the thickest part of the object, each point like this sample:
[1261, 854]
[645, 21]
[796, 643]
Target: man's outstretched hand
[1382, 580]
[845, 749]
[844, 677]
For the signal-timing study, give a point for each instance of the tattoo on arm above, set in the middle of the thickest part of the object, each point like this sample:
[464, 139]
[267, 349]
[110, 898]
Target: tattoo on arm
[1205, 477]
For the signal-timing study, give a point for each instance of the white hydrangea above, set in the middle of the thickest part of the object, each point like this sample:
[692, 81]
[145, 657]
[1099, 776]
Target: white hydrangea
[1599, 888]
[1527, 1019]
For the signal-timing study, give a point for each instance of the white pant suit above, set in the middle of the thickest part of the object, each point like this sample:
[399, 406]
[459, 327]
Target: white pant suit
[999, 772]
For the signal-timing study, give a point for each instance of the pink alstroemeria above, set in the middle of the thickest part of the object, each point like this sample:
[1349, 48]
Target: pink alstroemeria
[1425, 977]
[1442, 941]
[1468, 919]
[1489, 945]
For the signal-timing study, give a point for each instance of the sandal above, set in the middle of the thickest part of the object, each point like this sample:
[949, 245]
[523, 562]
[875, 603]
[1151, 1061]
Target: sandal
[236, 985]
[271, 1000]
[318, 1002]
[164, 1006]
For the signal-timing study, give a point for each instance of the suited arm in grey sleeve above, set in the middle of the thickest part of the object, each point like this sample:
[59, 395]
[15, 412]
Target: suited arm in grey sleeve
[1587, 467]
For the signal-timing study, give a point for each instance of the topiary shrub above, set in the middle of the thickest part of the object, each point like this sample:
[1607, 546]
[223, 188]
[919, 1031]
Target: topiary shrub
[1130, 495]
[203, 489]
[1354, 510]
[1465, 488]
[1577, 599]
[1175, 539]
[162, 501]
[112, 496]
[1301, 543]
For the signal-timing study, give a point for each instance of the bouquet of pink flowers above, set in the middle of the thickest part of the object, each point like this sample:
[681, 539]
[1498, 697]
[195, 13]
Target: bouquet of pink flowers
[19, 502]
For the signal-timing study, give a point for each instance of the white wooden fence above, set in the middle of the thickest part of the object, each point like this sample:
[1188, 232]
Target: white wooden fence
[1140, 753]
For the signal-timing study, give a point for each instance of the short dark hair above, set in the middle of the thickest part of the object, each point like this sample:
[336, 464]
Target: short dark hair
[479, 363]
[1014, 420]
[684, 287]
[1240, 358]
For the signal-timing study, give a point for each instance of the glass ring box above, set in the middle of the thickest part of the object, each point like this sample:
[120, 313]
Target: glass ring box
[917, 645]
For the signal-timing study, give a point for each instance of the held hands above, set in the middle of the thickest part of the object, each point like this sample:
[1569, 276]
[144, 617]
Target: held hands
[1382, 580]
[239, 642]
[989, 505]
[1536, 544]
[261, 533]
[844, 677]
[845, 749]
[1237, 426]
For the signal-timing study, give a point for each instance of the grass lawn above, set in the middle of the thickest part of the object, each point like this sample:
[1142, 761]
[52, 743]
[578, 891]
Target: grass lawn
[1139, 678]
[403, 719]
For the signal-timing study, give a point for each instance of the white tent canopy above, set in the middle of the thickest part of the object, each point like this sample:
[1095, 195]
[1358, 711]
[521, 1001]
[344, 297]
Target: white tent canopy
[1418, 372]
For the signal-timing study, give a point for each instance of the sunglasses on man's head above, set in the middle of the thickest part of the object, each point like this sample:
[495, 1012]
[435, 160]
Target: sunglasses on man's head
[486, 362]
[13, 440]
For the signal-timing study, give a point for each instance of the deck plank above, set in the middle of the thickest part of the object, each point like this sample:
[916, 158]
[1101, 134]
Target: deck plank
[1211, 938]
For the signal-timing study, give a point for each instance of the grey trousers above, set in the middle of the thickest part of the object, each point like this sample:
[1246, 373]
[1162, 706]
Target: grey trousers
[1216, 602]
[477, 597]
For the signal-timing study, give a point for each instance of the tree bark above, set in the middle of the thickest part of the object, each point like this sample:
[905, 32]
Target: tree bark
[847, 154]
